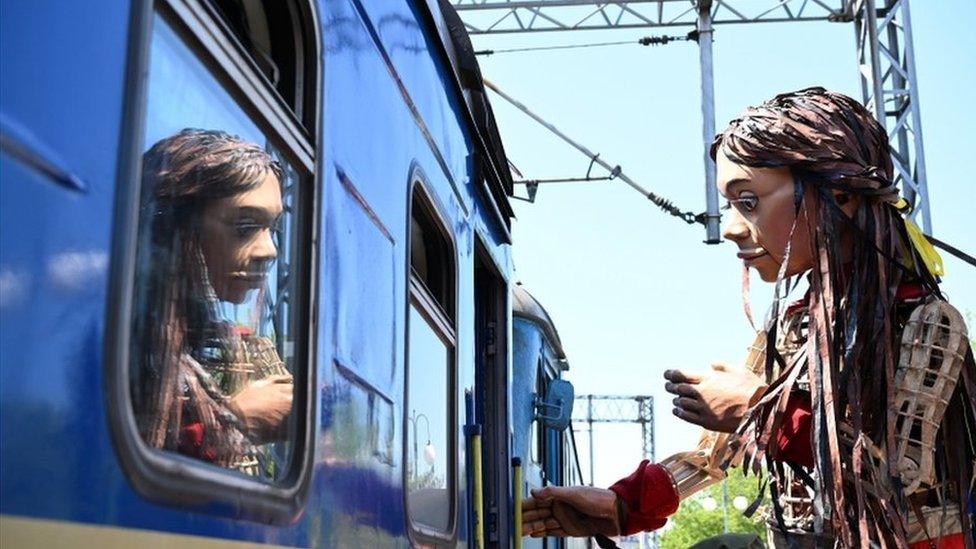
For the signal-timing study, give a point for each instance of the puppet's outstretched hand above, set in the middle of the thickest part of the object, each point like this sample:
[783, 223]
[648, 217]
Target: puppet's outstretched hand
[716, 400]
[572, 511]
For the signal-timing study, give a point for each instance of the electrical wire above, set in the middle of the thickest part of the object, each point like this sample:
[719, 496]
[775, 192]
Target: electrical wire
[562, 47]
[645, 41]
[688, 217]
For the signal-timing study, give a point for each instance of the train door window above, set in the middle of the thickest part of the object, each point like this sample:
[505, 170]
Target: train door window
[215, 377]
[431, 409]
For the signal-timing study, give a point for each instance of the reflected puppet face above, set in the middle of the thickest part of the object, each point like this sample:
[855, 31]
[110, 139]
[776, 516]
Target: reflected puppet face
[236, 239]
[761, 215]
[217, 196]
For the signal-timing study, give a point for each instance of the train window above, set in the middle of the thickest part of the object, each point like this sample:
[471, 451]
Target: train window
[431, 257]
[270, 35]
[430, 429]
[217, 373]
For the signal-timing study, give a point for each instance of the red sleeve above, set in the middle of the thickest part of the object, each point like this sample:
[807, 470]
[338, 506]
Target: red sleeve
[650, 497]
[649, 492]
[191, 443]
[794, 437]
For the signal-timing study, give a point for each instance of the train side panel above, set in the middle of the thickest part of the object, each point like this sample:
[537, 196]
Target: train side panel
[62, 94]
[388, 111]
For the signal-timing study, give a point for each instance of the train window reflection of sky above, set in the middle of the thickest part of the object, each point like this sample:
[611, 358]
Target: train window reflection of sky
[183, 93]
[428, 425]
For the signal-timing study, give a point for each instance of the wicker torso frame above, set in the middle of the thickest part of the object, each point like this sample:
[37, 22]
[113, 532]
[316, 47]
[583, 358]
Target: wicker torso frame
[248, 359]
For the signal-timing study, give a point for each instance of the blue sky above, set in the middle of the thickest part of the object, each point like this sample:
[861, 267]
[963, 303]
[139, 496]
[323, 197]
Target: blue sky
[633, 291]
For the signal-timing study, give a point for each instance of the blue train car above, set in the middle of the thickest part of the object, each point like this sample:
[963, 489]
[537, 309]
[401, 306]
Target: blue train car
[346, 254]
[543, 436]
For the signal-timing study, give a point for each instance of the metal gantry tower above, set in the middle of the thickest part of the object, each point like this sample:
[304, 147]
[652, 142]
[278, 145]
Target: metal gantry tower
[618, 409]
[884, 48]
[639, 409]
[886, 60]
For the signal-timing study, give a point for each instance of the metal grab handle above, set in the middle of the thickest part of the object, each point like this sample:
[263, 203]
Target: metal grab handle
[473, 432]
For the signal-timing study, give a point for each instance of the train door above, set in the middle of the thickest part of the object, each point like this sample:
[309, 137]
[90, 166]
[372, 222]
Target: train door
[491, 397]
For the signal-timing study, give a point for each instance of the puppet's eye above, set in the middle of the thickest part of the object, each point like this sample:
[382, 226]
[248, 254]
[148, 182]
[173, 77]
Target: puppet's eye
[747, 201]
[247, 228]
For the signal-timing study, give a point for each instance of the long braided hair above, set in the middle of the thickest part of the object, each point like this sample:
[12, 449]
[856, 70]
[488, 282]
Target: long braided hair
[834, 148]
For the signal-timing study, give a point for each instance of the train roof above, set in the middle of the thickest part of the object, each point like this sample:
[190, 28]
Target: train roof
[527, 307]
[459, 51]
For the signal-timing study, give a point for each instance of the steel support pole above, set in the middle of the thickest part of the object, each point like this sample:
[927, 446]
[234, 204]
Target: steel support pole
[921, 179]
[899, 82]
[704, 27]
[589, 419]
[871, 55]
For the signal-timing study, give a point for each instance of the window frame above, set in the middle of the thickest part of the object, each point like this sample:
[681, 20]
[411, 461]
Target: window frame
[166, 477]
[444, 325]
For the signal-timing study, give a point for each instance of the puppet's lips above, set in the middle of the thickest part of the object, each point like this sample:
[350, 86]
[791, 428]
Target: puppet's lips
[751, 255]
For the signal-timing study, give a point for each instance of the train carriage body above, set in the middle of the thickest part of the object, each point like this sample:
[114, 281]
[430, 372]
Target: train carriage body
[391, 303]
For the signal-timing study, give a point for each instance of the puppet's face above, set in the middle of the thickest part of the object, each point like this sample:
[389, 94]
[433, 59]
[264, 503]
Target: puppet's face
[236, 239]
[761, 216]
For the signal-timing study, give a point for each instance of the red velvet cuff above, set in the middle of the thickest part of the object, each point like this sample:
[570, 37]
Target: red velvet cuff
[794, 438]
[650, 497]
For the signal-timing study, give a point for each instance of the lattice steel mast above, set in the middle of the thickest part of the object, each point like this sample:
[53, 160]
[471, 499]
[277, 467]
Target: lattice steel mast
[618, 409]
[884, 47]
[639, 409]
[886, 59]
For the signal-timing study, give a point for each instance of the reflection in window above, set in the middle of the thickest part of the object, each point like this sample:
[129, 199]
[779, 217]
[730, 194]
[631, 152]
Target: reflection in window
[430, 374]
[211, 352]
[427, 468]
[270, 34]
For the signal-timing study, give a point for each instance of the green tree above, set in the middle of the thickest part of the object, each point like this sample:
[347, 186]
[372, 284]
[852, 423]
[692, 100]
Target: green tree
[692, 523]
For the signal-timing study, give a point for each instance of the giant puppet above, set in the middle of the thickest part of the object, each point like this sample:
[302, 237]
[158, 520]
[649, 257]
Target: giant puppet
[858, 399]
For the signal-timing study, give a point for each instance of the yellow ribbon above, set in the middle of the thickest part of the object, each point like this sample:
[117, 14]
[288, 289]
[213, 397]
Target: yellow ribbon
[931, 258]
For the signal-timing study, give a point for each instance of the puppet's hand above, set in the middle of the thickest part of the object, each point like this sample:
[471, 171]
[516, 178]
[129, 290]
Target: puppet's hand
[263, 406]
[716, 400]
[575, 511]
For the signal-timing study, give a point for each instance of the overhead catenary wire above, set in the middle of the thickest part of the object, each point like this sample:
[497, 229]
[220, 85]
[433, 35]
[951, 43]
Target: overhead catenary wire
[645, 41]
[661, 202]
